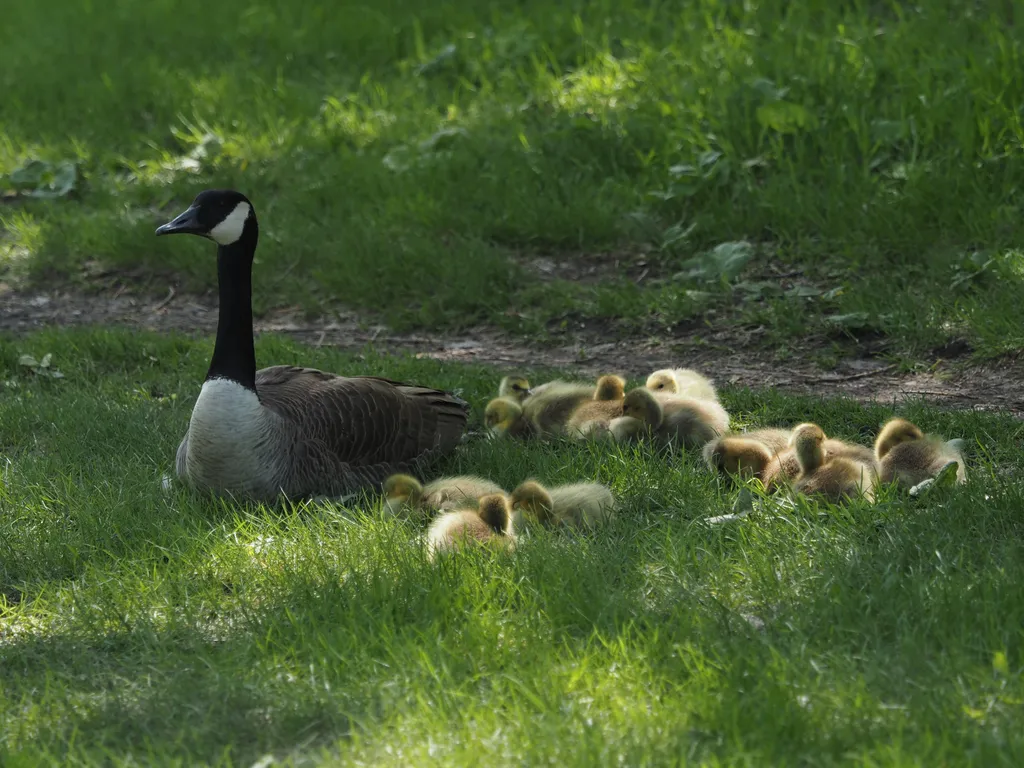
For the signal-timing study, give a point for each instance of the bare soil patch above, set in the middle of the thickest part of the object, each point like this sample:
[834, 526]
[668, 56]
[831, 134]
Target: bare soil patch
[734, 358]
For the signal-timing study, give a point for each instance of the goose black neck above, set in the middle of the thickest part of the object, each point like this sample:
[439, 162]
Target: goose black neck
[234, 356]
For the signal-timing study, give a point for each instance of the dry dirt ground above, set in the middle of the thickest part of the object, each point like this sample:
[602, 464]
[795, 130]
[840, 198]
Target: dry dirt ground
[733, 359]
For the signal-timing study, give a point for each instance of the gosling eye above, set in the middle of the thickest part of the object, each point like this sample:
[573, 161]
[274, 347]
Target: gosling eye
[660, 386]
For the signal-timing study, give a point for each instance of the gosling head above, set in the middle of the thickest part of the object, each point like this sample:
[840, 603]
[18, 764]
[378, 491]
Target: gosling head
[663, 381]
[403, 489]
[532, 498]
[222, 215]
[808, 440]
[501, 415]
[642, 405]
[610, 388]
[515, 388]
[896, 431]
[494, 510]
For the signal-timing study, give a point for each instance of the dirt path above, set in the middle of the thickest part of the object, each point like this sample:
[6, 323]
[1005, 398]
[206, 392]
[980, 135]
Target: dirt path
[951, 383]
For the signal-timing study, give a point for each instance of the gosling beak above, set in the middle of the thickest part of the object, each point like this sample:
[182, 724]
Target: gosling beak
[186, 223]
[529, 392]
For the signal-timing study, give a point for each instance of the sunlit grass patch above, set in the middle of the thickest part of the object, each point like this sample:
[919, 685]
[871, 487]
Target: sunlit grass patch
[217, 632]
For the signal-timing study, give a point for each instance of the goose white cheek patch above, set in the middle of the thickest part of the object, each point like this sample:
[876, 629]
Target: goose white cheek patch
[229, 230]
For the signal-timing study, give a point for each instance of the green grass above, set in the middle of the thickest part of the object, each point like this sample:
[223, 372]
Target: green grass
[144, 626]
[409, 158]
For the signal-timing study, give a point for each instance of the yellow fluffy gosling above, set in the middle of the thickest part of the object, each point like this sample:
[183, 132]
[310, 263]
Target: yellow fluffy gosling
[578, 505]
[684, 382]
[745, 453]
[549, 407]
[504, 417]
[784, 466]
[834, 479]
[626, 429]
[404, 492]
[489, 524]
[686, 420]
[592, 418]
[908, 456]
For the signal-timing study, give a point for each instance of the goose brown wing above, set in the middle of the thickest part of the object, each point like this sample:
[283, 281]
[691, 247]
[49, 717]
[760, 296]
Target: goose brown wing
[364, 420]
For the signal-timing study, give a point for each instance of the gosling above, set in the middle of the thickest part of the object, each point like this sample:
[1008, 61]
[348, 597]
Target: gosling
[405, 493]
[490, 524]
[577, 505]
[908, 456]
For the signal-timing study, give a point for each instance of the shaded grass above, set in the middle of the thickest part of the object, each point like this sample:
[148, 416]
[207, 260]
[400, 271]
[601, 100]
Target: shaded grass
[409, 159]
[135, 621]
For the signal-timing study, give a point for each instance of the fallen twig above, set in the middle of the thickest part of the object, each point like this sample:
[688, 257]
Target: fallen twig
[851, 377]
[165, 302]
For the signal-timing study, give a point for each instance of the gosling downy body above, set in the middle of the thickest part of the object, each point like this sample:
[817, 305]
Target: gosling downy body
[775, 438]
[550, 405]
[626, 429]
[683, 382]
[592, 418]
[834, 479]
[404, 492]
[489, 524]
[685, 420]
[576, 505]
[289, 430]
[908, 456]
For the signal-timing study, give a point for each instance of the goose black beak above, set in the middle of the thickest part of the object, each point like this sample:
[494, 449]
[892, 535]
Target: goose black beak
[186, 223]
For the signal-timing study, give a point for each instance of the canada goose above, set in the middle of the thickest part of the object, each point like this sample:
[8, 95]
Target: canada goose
[684, 382]
[514, 387]
[577, 505]
[504, 417]
[908, 456]
[833, 478]
[288, 430]
[551, 404]
[490, 523]
[441, 495]
[745, 453]
[691, 422]
[591, 418]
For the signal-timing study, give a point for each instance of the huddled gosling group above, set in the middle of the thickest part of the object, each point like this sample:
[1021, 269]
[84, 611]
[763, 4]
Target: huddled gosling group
[681, 407]
[473, 509]
[676, 407]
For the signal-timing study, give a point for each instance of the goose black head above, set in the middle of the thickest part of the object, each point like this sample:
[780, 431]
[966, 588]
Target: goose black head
[222, 215]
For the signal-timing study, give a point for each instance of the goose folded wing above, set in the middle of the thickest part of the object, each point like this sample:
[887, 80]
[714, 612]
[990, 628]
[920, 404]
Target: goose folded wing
[364, 420]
